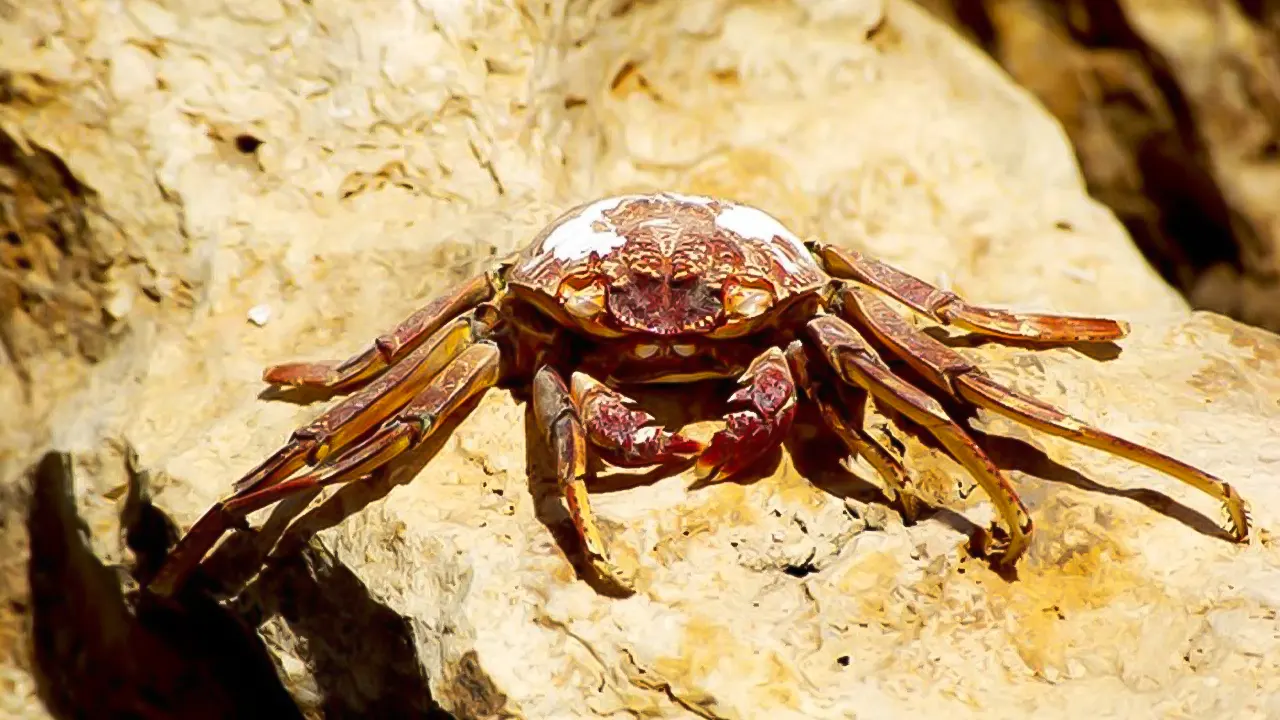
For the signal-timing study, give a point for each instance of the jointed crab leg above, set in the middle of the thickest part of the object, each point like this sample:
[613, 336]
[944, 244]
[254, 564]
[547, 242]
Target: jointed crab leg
[359, 412]
[471, 372]
[949, 371]
[946, 307]
[848, 426]
[561, 428]
[387, 349]
[857, 363]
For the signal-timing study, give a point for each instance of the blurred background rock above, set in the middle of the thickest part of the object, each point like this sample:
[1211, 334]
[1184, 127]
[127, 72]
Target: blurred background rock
[1173, 108]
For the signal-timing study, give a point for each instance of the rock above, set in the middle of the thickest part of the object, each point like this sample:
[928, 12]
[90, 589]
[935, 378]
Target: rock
[341, 163]
[1172, 108]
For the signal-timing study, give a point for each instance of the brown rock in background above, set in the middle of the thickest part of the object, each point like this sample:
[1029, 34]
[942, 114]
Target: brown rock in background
[1173, 107]
[282, 180]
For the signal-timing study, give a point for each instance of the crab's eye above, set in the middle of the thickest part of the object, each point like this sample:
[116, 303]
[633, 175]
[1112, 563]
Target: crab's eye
[646, 351]
[584, 302]
[746, 301]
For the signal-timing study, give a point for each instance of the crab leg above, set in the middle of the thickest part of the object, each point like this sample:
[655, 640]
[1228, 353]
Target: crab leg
[857, 364]
[851, 431]
[623, 436]
[363, 409]
[949, 371]
[387, 349]
[472, 372]
[561, 427]
[948, 308]
[768, 401]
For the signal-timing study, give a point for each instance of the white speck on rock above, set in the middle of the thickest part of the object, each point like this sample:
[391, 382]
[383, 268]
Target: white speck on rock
[260, 314]
[1087, 277]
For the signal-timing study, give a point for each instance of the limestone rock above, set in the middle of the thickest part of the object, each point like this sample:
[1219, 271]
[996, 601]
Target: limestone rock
[339, 163]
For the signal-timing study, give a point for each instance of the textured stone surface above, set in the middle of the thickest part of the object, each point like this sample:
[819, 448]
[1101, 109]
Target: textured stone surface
[339, 163]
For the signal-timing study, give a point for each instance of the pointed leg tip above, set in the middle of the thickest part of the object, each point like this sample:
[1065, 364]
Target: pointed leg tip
[290, 375]
[683, 448]
[608, 572]
[707, 471]
[580, 383]
[1239, 528]
[703, 471]
[273, 376]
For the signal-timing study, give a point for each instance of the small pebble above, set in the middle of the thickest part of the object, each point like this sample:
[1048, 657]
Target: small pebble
[260, 314]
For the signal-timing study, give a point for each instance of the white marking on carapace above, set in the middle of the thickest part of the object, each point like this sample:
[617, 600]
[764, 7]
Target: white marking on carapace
[646, 434]
[702, 200]
[657, 222]
[755, 224]
[575, 239]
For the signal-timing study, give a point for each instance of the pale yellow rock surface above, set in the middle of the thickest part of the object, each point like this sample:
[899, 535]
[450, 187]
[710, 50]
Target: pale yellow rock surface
[402, 145]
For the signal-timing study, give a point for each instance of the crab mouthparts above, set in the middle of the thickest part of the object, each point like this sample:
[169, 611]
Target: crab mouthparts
[665, 308]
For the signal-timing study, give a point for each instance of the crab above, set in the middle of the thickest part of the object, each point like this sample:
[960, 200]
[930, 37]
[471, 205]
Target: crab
[674, 288]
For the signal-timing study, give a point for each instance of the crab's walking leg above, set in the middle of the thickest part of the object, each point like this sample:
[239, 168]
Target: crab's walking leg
[946, 307]
[623, 436]
[857, 363]
[472, 372]
[360, 411]
[387, 349]
[949, 371]
[561, 428]
[768, 401]
[847, 424]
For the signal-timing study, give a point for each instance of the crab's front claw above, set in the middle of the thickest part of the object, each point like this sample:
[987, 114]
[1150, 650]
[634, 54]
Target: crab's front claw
[768, 399]
[623, 436]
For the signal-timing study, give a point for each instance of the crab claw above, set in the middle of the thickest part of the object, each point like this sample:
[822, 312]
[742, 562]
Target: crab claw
[769, 395]
[626, 437]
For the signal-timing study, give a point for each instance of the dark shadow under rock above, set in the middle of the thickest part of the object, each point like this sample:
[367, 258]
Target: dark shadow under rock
[361, 653]
[96, 656]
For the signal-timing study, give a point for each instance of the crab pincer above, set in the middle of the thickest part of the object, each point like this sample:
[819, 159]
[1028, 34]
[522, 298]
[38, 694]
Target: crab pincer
[768, 401]
[623, 436]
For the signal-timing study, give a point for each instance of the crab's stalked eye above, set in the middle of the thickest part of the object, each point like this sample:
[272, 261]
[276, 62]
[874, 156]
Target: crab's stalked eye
[646, 351]
[746, 301]
[584, 302]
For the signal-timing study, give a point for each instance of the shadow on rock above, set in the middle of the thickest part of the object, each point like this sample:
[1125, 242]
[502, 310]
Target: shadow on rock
[292, 522]
[361, 653]
[1013, 454]
[96, 656]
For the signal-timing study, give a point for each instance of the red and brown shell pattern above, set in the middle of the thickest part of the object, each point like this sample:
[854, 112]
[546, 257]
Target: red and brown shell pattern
[664, 262]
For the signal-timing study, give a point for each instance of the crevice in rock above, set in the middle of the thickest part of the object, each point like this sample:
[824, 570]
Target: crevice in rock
[53, 273]
[97, 654]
